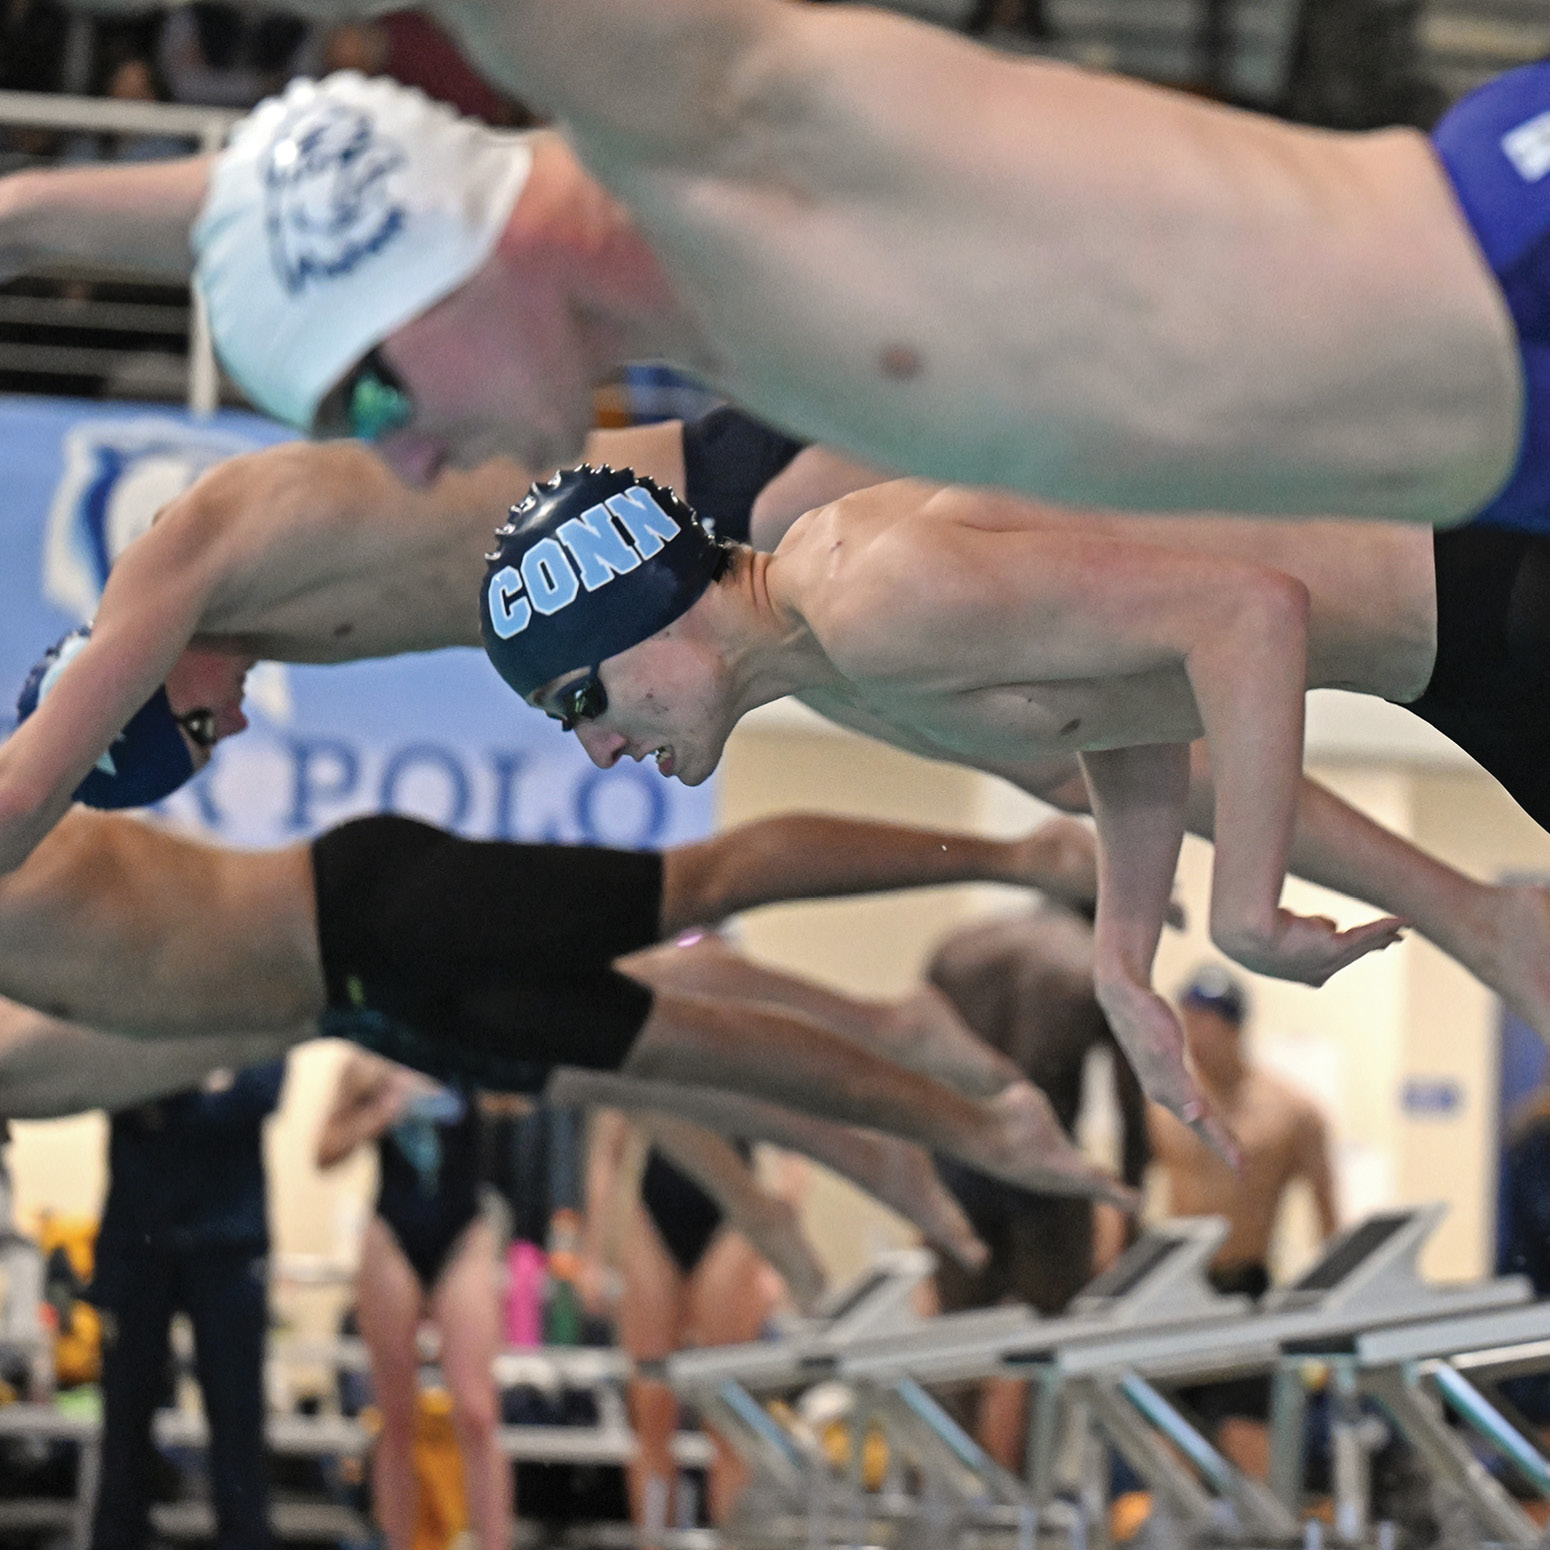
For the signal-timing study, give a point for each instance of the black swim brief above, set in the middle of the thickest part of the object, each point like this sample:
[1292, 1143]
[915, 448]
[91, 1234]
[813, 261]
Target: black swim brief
[1490, 685]
[728, 459]
[482, 961]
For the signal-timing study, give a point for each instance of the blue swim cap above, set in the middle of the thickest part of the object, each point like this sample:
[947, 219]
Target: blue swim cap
[148, 760]
[591, 563]
[1215, 990]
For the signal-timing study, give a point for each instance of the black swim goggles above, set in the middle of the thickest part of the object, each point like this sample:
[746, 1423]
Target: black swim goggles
[369, 403]
[584, 700]
[200, 726]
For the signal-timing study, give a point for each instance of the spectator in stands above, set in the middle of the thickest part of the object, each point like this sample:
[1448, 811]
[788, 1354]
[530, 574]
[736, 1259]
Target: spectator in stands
[185, 1227]
[411, 48]
[1282, 1139]
[219, 56]
[133, 78]
[428, 1252]
[33, 35]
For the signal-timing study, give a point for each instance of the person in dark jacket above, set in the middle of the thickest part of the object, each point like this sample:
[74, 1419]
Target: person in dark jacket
[185, 1228]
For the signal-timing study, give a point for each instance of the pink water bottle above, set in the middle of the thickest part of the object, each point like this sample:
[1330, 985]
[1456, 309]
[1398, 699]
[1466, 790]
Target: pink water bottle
[524, 1294]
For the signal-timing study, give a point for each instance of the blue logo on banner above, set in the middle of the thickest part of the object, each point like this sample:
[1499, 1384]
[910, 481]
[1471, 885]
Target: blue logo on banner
[118, 473]
[328, 195]
[1436, 1097]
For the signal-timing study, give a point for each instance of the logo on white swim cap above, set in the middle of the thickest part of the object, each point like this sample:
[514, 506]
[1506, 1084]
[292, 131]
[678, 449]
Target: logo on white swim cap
[329, 199]
[338, 212]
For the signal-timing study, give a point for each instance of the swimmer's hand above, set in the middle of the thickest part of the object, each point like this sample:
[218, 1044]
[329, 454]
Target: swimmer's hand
[1307, 948]
[1153, 1042]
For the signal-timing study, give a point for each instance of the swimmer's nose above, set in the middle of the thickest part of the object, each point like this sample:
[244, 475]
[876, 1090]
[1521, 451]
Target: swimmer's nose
[604, 749]
[413, 456]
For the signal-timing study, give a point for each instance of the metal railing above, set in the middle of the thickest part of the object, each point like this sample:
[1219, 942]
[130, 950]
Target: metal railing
[203, 129]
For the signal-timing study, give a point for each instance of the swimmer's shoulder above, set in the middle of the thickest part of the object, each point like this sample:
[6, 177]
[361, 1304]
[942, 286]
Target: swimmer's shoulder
[851, 569]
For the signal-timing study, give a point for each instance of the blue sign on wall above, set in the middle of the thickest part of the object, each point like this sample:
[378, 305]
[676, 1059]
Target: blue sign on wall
[436, 735]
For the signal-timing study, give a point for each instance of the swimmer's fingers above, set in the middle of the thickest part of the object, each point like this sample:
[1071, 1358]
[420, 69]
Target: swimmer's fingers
[1153, 1042]
[962, 1244]
[1203, 1121]
[1310, 948]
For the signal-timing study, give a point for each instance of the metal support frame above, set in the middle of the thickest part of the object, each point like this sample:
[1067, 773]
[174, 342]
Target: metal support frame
[1418, 1414]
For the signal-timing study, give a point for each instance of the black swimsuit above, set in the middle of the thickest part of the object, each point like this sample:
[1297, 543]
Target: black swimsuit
[1490, 686]
[428, 1186]
[482, 962]
[685, 1217]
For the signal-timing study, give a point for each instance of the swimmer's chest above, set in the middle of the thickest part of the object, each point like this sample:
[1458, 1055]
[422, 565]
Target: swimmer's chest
[1041, 718]
[344, 612]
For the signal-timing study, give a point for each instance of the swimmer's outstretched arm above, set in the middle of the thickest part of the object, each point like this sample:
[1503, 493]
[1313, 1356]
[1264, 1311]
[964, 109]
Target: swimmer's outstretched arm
[1138, 799]
[1247, 667]
[123, 215]
[50, 1068]
[945, 612]
[146, 619]
[808, 856]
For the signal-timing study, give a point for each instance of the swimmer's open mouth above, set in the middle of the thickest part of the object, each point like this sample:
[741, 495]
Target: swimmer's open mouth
[664, 758]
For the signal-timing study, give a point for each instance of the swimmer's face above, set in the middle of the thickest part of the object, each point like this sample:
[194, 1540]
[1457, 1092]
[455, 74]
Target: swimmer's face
[204, 690]
[661, 699]
[492, 370]
[1214, 1041]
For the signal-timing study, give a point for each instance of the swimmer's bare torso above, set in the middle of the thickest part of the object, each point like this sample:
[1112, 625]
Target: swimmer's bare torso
[1061, 662]
[1281, 1139]
[1014, 272]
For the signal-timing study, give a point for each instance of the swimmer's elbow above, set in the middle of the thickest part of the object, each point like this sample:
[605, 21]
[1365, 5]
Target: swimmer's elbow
[1271, 610]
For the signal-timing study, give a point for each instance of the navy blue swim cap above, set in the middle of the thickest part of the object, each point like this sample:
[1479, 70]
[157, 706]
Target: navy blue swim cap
[591, 563]
[148, 760]
[1215, 990]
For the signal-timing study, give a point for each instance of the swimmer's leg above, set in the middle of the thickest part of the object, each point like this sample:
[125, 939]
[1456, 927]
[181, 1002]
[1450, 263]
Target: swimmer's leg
[897, 1172]
[922, 1032]
[767, 1221]
[771, 1054]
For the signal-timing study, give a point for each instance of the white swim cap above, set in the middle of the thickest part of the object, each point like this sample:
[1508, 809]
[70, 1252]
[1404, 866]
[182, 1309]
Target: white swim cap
[337, 213]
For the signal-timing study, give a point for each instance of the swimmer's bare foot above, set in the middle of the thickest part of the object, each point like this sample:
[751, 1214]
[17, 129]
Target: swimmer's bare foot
[1510, 951]
[772, 1226]
[924, 1033]
[1026, 1146]
[1153, 1042]
[904, 1178]
[1060, 858]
